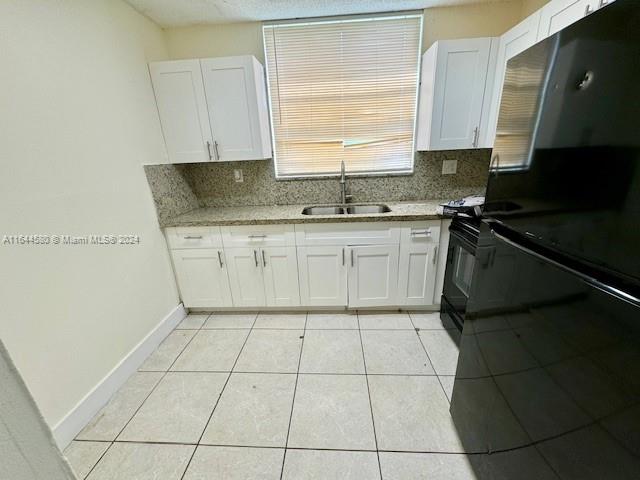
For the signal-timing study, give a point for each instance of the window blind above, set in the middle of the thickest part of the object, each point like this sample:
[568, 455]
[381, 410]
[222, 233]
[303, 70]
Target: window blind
[343, 89]
[519, 109]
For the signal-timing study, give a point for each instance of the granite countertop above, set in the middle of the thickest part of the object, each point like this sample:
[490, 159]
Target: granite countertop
[265, 214]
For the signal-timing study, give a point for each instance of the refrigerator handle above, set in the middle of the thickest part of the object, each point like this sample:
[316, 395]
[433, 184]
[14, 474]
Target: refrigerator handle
[603, 287]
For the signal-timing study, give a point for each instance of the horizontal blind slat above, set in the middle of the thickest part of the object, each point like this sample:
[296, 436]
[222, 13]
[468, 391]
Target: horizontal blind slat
[343, 90]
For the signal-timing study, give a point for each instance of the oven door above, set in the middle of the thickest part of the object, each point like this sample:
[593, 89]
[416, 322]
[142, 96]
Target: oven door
[458, 275]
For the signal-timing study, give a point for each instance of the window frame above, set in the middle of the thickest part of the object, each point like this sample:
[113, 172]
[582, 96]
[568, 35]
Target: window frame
[349, 18]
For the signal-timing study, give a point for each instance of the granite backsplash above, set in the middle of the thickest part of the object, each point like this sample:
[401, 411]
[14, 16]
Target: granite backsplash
[177, 189]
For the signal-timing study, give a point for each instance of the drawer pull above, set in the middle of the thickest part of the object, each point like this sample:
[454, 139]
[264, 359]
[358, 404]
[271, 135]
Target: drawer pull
[258, 236]
[416, 233]
[192, 237]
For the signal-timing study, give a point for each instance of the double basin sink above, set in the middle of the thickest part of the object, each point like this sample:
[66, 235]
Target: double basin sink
[345, 209]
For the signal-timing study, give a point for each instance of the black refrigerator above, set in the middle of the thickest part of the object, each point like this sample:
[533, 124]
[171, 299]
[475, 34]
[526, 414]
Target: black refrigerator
[548, 377]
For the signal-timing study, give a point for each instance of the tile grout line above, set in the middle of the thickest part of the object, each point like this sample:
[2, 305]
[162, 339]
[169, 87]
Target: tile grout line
[366, 376]
[319, 373]
[219, 397]
[293, 400]
[417, 330]
[111, 443]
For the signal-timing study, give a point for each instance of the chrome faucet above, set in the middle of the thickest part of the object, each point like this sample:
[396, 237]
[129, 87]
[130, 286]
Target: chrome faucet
[344, 196]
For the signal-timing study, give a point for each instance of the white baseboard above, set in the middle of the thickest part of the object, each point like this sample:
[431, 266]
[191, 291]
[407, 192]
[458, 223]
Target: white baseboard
[67, 428]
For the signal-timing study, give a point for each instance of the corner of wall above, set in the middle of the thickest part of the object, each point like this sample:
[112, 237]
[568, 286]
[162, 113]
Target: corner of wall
[172, 194]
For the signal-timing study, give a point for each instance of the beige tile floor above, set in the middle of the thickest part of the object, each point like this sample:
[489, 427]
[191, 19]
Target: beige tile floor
[285, 396]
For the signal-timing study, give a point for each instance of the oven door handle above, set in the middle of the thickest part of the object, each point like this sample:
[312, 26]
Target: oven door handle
[589, 280]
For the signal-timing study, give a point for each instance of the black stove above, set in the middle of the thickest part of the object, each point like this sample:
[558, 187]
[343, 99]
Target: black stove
[463, 241]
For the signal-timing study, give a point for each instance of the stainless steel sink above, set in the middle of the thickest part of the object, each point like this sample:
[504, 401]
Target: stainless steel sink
[364, 209]
[345, 209]
[319, 210]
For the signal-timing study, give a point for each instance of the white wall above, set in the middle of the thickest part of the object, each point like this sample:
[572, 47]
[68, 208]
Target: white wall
[27, 449]
[77, 121]
[476, 20]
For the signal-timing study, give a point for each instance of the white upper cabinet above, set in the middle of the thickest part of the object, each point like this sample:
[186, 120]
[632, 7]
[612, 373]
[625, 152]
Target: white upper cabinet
[557, 14]
[516, 40]
[237, 103]
[182, 108]
[455, 79]
[213, 109]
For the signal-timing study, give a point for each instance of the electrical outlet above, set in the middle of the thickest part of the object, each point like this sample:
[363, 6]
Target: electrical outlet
[237, 176]
[449, 167]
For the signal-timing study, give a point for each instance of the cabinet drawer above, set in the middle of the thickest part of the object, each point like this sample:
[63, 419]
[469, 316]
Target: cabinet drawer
[258, 236]
[420, 232]
[375, 233]
[194, 237]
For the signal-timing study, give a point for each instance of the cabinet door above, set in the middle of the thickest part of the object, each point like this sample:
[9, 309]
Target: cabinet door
[516, 40]
[202, 277]
[280, 269]
[417, 273]
[236, 102]
[441, 261]
[461, 73]
[373, 276]
[182, 108]
[323, 276]
[557, 14]
[245, 275]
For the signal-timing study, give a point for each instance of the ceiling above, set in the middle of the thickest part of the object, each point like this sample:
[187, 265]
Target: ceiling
[176, 13]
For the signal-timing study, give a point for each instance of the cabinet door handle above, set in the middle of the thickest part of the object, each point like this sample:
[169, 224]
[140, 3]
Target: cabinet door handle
[209, 150]
[192, 237]
[435, 255]
[255, 258]
[475, 137]
[220, 259]
[264, 259]
[588, 10]
[343, 256]
[352, 262]
[603, 3]
[215, 148]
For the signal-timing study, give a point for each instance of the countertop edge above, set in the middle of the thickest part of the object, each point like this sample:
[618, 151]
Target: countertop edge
[315, 219]
[292, 214]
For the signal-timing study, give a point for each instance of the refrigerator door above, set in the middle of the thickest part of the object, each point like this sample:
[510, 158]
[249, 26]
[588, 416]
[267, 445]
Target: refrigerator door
[553, 362]
[565, 168]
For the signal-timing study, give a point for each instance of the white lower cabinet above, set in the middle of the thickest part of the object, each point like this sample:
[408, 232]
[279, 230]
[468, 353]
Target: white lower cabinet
[264, 276]
[335, 265]
[280, 272]
[202, 277]
[373, 276]
[417, 274]
[245, 275]
[323, 276]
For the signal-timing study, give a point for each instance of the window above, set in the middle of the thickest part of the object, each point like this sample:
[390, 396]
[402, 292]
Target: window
[343, 89]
